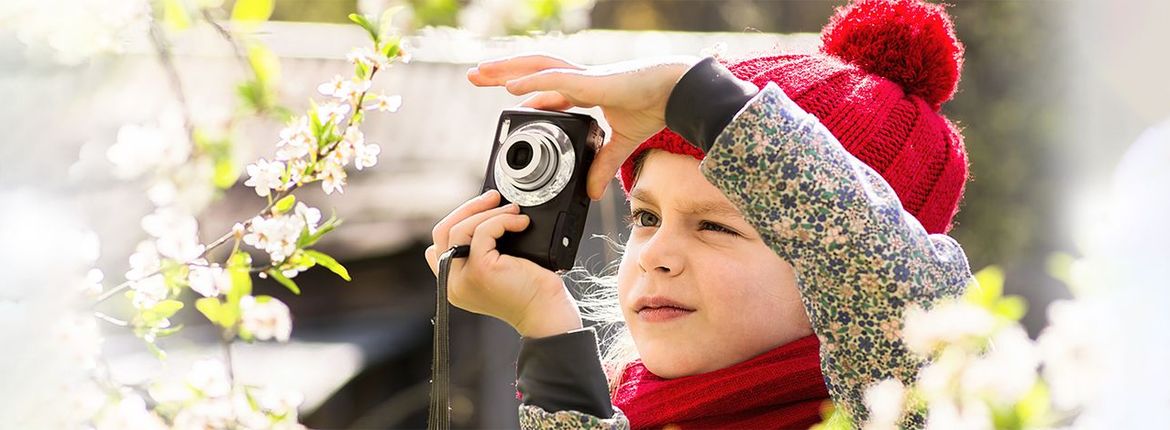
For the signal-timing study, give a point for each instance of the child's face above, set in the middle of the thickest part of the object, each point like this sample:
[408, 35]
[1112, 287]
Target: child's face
[740, 297]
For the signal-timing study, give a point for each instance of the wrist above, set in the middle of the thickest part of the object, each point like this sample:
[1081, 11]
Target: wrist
[553, 311]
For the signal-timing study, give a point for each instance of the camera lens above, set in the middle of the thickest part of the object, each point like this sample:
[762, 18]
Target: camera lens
[519, 155]
[534, 163]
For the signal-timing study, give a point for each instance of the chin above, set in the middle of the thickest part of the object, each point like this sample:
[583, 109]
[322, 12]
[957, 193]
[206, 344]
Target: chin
[668, 362]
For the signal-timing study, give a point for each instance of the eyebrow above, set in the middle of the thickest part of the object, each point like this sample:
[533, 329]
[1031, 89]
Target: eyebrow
[693, 207]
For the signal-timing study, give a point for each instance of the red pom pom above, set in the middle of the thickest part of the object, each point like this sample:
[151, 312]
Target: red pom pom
[909, 42]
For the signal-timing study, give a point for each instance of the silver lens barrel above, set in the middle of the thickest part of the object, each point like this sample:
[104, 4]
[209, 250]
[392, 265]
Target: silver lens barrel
[534, 163]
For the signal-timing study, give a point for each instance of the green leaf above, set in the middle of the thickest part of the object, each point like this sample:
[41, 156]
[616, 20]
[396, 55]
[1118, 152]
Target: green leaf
[283, 205]
[239, 267]
[365, 23]
[386, 21]
[284, 280]
[1034, 409]
[361, 71]
[252, 12]
[988, 288]
[251, 96]
[329, 263]
[315, 120]
[307, 239]
[167, 308]
[210, 307]
[1011, 307]
[175, 15]
[154, 349]
[168, 331]
[225, 174]
[265, 64]
[391, 47]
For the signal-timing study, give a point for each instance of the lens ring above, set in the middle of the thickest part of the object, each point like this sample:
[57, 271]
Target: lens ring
[546, 175]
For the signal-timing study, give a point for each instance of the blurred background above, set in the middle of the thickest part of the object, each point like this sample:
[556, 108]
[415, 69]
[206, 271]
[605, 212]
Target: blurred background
[1052, 93]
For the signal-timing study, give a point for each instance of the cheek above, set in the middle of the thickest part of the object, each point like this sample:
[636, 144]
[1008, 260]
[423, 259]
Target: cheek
[627, 271]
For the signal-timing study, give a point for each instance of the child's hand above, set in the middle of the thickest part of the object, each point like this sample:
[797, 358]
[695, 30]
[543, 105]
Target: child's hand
[530, 298]
[632, 96]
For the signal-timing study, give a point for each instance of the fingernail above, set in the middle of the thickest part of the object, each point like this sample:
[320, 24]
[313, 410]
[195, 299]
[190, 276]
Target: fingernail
[514, 207]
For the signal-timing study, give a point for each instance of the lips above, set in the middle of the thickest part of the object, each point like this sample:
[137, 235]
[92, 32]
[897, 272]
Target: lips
[657, 302]
[660, 310]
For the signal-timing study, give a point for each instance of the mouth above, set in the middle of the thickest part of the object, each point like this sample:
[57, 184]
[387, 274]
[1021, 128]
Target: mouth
[659, 309]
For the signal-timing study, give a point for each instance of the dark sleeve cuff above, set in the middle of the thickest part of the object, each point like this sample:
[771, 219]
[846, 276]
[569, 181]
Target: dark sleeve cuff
[704, 101]
[563, 372]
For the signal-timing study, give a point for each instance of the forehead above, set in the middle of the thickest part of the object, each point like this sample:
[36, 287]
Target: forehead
[673, 181]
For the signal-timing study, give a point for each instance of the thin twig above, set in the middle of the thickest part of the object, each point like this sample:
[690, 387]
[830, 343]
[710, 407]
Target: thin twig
[163, 50]
[231, 40]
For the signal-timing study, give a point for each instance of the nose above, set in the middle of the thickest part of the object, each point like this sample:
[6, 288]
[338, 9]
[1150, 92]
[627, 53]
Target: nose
[662, 253]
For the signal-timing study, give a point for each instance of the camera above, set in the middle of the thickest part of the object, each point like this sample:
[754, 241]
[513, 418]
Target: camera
[540, 160]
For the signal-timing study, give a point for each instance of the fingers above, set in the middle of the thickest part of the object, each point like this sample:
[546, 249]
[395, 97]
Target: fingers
[548, 100]
[497, 72]
[574, 85]
[483, 242]
[606, 164]
[483, 202]
[432, 257]
[461, 233]
[466, 231]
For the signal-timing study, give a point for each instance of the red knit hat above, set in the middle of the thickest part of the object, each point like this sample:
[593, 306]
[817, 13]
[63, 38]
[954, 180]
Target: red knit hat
[885, 68]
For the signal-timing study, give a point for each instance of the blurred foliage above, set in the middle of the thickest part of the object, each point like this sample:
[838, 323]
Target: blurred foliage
[334, 11]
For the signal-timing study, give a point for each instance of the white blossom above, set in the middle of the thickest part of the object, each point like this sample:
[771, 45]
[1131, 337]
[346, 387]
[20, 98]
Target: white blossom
[139, 149]
[93, 282]
[209, 281]
[384, 103]
[207, 414]
[1074, 348]
[367, 56]
[144, 261]
[332, 112]
[149, 291]
[334, 87]
[944, 324]
[73, 31]
[177, 233]
[277, 235]
[947, 415]
[296, 170]
[131, 413]
[1007, 372]
[311, 215]
[884, 401]
[296, 140]
[266, 318]
[366, 156]
[332, 176]
[347, 147]
[265, 176]
[351, 90]
[209, 377]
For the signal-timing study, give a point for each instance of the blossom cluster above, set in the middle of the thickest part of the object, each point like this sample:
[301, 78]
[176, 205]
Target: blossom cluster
[985, 372]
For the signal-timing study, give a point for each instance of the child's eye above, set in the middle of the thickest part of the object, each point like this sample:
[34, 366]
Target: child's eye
[707, 225]
[642, 218]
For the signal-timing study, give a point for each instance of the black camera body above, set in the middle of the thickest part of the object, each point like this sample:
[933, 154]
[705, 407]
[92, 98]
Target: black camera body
[540, 160]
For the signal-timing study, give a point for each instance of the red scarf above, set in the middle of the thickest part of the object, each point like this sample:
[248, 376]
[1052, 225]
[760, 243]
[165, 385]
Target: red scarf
[779, 389]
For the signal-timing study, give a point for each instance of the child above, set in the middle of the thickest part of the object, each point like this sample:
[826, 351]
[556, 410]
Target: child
[779, 229]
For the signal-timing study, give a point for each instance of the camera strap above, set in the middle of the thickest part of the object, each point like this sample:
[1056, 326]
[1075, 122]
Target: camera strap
[440, 407]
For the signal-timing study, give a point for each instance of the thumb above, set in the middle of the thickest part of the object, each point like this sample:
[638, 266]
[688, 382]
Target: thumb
[607, 162]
